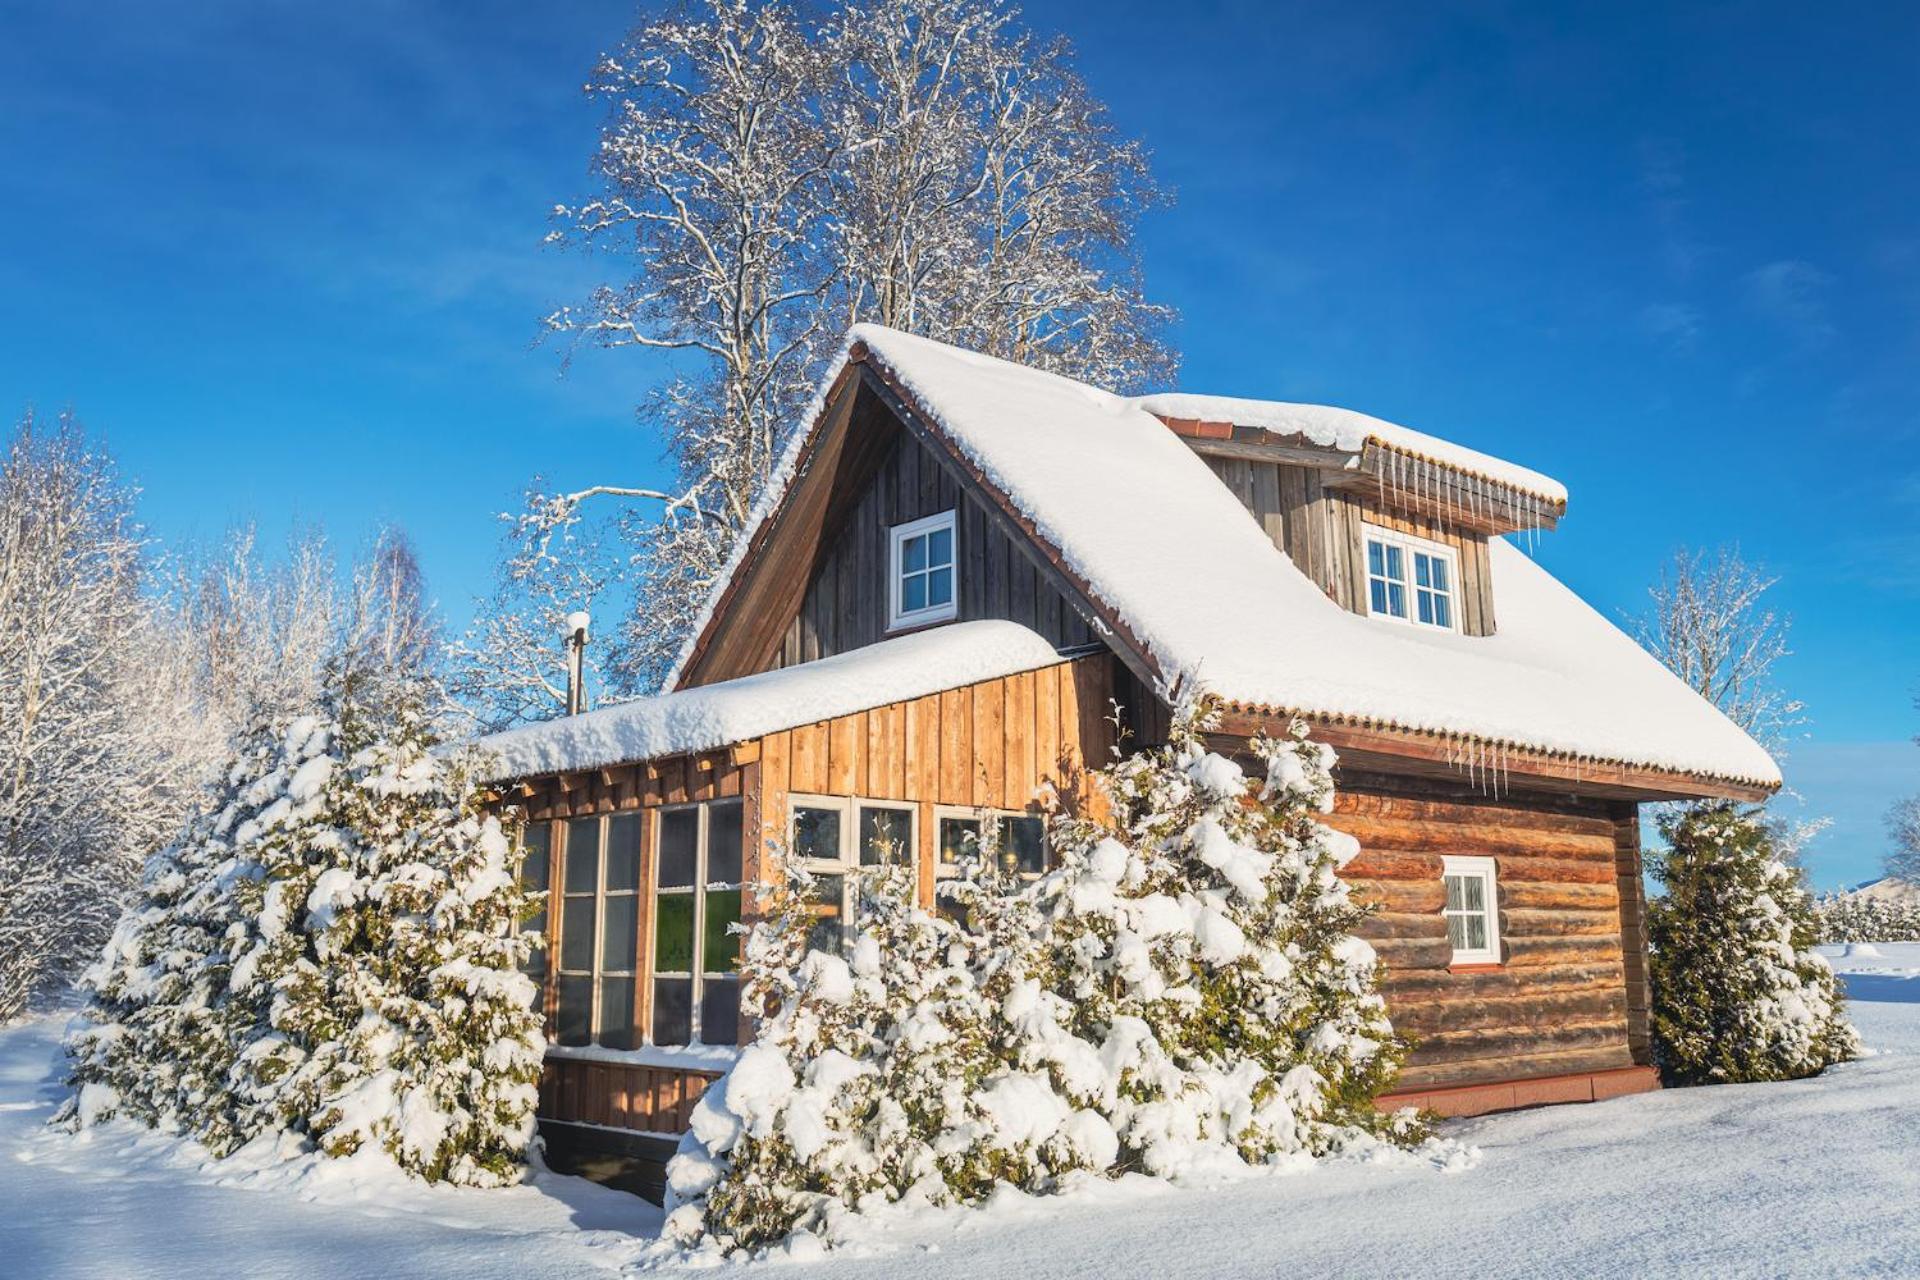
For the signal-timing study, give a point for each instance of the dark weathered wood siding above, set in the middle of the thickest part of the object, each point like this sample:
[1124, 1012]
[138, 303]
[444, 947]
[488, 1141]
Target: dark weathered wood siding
[845, 606]
[1319, 527]
[1558, 1004]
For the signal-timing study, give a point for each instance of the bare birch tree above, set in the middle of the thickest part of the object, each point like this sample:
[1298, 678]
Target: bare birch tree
[1903, 834]
[769, 181]
[96, 759]
[1710, 625]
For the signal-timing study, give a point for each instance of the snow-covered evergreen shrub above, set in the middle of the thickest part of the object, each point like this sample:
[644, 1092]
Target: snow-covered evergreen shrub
[1846, 917]
[1738, 992]
[1184, 992]
[332, 950]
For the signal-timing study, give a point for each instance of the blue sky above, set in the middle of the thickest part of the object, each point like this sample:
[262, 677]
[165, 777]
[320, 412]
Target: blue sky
[287, 259]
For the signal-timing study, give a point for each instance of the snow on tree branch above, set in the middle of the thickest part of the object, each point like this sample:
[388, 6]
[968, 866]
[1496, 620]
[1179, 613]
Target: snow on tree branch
[1709, 625]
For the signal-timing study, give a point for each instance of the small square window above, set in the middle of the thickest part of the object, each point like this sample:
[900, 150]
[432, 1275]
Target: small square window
[1472, 910]
[1410, 579]
[922, 572]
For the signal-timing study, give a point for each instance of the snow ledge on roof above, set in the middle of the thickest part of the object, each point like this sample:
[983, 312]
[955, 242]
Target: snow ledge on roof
[735, 711]
[1348, 430]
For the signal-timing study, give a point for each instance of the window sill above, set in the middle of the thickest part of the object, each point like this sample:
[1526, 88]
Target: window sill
[1477, 966]
[909, 626]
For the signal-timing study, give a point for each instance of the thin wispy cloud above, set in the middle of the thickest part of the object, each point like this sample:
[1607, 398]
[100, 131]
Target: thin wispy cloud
[1674, 324]
[1792, 293]
[1663, 176]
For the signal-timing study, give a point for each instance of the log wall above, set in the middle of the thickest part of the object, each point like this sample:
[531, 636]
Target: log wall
[1319, 527]
[1559, 1003]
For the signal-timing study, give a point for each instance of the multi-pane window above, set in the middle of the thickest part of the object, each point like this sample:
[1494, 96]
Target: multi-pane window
[599, 932]
[834, 838]
[1020, 839]
[922, 587]
[536, 868]
[1410, 579]
[1016, 841]
[697, 898]
[1472, 910]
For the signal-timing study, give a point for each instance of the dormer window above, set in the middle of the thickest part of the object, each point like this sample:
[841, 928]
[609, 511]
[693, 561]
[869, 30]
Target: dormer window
[923, 589]
[1411, 580]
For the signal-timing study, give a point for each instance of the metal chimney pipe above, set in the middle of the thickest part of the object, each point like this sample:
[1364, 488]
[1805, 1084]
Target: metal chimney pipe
[577, 623]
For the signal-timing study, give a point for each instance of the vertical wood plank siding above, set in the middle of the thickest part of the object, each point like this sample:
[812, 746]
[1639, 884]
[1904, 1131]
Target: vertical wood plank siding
[618, 1095]
[1320, 530]
[1560, 1003]
[996, 744]
[845, 606]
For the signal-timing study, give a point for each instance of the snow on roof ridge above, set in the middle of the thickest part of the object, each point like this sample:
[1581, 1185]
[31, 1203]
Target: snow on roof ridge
[1104, 486]
[707, 717]
[1349, 430]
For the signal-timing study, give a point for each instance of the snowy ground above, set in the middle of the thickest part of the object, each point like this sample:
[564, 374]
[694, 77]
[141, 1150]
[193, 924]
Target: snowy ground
[1812, 1178]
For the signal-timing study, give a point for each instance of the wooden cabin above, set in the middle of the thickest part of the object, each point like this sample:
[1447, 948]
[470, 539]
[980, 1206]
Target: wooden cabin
[966, 565]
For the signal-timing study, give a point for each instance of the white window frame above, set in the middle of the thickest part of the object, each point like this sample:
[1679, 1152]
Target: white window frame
[898, 618]
[596, 972]
[1485, 870]
[847, 864]
[698, 890]
[1411, 545]
[981, 814]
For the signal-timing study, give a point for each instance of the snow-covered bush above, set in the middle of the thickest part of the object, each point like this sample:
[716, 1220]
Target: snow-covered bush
[333, 950]
[1739, 994]
[1185, 992]
[1847, 917]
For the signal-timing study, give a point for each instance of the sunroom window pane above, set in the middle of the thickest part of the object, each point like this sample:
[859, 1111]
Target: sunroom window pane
[672, 1010]
[583, 855]
[679, 847]
[1378, 591]
[1395, 564]
[1439, 574]
[1376, 559]
[1026, 838]
[720, 1011]
[1442, 612]
[1426, 607]
[574, 1024]
[1397, 600]
[623, 853]
[620, 934]
[616, 1013]
[576, 934]
[673, 933]
[723, 842]
[720, 948]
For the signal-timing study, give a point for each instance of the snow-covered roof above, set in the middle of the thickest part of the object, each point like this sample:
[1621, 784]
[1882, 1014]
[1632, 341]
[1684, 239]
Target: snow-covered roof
[719, 715]
[1349, 432]
[1137, 516]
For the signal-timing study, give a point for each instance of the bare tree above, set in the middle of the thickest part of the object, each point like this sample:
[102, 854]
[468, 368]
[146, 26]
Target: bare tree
[96, 730]
[983, 196]
[1903, 833]
[927, 165]
[1710, 626]
[258, 631]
